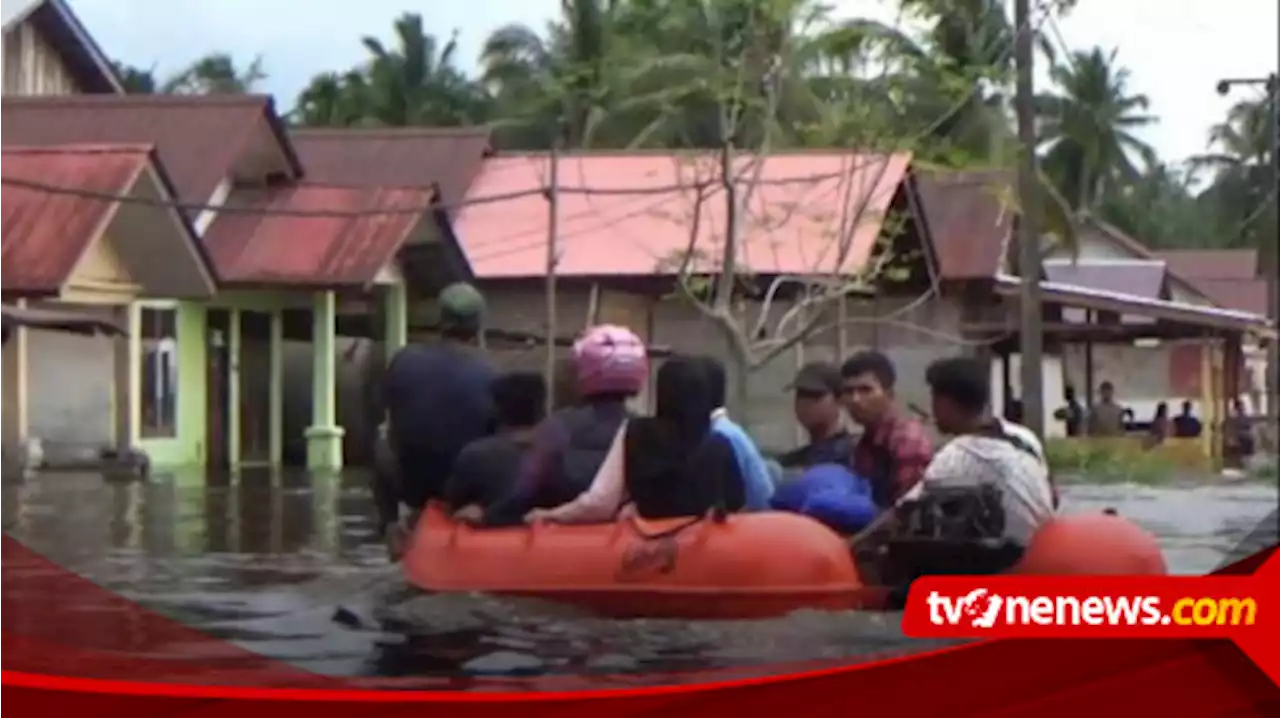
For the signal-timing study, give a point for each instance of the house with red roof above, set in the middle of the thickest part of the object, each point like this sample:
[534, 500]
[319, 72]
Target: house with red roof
[191, 222]
[287, 253]
[624, 220]
[238, 256]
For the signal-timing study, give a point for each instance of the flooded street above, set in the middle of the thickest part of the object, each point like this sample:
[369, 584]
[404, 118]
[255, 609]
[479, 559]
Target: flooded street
[266, 562]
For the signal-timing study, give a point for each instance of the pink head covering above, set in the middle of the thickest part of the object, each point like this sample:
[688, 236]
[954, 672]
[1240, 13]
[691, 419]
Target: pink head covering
[610, 359]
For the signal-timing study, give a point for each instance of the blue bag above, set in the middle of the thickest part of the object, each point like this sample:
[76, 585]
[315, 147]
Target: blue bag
[831, 494]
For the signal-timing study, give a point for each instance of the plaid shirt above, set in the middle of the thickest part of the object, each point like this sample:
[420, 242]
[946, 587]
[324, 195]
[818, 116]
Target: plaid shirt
[893, 456]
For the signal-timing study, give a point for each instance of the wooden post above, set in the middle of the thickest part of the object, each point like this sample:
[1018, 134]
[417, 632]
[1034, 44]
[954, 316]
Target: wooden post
[553, 259]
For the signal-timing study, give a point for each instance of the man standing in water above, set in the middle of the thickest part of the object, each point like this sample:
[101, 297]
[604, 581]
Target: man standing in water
[438, 399]
[894, 449]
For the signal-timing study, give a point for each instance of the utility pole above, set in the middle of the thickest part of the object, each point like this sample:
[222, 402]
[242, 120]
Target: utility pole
[1269, 252]
[1030, 330]
[553, 260]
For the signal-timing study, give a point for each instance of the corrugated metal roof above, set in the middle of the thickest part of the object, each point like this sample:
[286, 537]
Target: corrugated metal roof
[447, 157]
[1246, 295]
[198, 139]
[1137, 278]
[45, 234]
[312, 251]
[1138, 249]
[793, 224]
[1151, 309]
[1212, 263]
[968, 220]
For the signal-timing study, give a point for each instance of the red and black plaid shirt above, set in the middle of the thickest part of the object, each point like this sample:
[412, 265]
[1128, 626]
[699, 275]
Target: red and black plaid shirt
[893, 455]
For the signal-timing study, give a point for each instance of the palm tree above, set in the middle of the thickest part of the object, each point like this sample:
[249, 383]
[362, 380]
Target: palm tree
[552, 85]
[417, 83]
[215, 74]
[1240, 194]
[135, 80]
[1087, 128]
[331, 100]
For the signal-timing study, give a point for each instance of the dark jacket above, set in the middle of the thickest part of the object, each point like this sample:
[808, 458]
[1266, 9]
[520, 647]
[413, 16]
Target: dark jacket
[567, 451]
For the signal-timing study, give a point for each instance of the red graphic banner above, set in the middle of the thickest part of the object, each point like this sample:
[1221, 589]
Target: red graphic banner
[70, 645]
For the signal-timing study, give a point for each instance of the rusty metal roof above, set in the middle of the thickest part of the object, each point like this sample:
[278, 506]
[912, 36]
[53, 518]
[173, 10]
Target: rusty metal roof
[198, 139]
[1212, 263]
[308, 250]
[62, 31]
[44, 233]
[968, 221]
[449, 158]
[1245, 295]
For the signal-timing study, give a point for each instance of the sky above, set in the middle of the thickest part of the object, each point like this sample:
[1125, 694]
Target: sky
[1176, 50]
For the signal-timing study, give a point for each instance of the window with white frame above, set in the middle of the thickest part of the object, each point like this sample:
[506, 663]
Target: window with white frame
[159, 340]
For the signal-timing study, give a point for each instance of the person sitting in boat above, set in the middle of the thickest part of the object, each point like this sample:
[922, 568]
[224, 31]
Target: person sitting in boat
[486, 469]
[758, 480]
[986, 450]
[894, 449]
[438, 400]
[611, 365]
[817, 388]
[670, 464]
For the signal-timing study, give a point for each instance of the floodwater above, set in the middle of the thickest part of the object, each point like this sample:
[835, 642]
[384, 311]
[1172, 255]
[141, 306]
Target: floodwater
[265, 561]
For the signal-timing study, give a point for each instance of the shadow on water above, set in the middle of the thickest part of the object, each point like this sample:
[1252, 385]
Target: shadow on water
[264, 560]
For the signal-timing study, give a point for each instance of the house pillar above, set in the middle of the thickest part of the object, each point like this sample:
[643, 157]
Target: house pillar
[275, 384]
[396, 331]
[324, 436]
[1208, 396]
[17, 380]
[233, 388]
[128, 371]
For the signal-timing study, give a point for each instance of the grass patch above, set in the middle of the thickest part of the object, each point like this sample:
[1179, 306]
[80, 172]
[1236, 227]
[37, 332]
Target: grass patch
[1120, 461]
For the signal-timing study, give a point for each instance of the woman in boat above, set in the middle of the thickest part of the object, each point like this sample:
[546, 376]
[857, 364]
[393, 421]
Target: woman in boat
[667, 465]
[611, 366]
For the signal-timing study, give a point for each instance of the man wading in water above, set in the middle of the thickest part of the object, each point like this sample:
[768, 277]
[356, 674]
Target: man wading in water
[438, 400]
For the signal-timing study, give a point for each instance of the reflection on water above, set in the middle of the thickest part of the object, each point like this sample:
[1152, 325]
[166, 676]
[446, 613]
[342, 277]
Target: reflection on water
[264, 560]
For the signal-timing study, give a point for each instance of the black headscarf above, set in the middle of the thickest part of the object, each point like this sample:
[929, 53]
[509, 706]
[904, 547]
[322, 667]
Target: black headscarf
[717, 379]
[658, 445]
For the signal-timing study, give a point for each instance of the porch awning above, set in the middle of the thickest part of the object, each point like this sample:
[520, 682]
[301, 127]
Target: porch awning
[1167, 310]
[59, 320]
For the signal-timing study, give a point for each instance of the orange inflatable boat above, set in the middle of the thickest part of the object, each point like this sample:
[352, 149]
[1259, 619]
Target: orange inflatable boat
[748, 566]
[755, 565]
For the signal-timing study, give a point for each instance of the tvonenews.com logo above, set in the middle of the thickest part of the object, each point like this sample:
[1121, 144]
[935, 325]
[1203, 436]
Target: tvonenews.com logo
[980, 608]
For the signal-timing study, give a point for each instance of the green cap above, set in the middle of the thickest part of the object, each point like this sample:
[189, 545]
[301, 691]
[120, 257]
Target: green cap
[461, 305]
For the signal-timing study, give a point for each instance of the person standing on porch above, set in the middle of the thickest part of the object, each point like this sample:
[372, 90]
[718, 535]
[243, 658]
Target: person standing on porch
[438, 400]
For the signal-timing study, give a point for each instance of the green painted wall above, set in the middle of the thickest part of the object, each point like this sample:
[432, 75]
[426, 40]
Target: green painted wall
[187, 449]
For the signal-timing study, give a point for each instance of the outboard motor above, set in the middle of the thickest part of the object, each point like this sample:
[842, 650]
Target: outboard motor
[947, 531]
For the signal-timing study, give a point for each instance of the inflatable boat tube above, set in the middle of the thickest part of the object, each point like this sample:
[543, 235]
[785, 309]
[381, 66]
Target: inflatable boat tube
[751, 565]
[1092, 544]
[831, 494]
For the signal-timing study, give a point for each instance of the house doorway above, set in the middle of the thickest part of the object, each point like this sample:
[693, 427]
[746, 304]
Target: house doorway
[218, 388]
[255, 388]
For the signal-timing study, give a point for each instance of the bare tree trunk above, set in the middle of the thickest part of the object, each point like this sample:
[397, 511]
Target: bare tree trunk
[1030, 330]
[553, 259]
